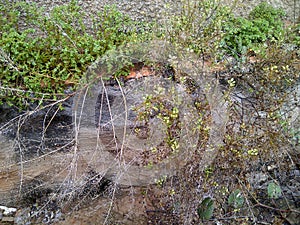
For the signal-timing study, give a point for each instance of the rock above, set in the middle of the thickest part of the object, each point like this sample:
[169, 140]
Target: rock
[7, 214]
[6, 211]
[7, 219]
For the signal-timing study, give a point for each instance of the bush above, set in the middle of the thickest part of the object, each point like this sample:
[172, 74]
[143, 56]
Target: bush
[48, 54]
[263, 25]
[198, 26]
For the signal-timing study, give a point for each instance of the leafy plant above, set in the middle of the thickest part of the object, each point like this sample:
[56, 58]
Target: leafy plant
[263, 25]
[293, 33]
[236, 199]
[206, 208]
[274, 190]
[271, 15]
[48, 55]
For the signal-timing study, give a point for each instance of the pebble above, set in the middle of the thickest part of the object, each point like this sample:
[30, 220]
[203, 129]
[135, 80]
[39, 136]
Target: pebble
[7, 211]
[7, 219]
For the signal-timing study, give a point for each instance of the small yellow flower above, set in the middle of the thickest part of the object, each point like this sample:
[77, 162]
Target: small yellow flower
[252, 152]
[172, 192]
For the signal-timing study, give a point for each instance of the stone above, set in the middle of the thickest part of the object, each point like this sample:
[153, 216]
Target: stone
[7, 219]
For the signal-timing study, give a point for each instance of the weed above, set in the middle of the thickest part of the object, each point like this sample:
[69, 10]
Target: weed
[48, 55]
[264, 25]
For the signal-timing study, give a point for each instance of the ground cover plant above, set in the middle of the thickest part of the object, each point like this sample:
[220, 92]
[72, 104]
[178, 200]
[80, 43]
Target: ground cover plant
[243, 34]
[44, 55]
[255, 174]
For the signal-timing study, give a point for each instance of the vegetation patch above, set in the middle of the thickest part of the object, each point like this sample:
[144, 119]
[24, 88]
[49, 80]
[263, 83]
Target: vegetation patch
[263, 27]
[255, 173]
[44, 55]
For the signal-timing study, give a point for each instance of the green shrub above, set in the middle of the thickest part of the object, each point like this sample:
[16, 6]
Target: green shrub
[263, 25]
[49, 54]
[272, 16]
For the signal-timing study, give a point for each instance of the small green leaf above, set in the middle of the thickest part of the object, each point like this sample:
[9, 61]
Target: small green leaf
[206, 208]
[274, 190]
[236, 199]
